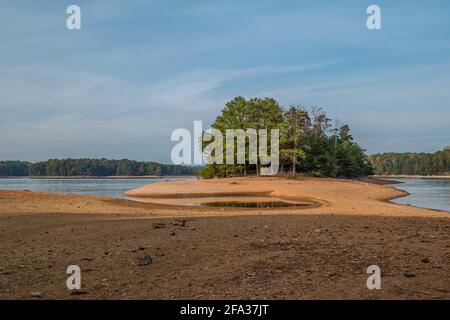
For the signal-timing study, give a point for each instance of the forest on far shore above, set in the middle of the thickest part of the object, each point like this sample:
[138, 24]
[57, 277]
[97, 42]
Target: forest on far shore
[409, 163]
[92, 167]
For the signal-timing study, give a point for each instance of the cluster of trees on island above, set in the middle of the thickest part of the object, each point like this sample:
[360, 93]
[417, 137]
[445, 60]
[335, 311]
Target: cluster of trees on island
[92, 167]
[425, 164]
[309, 143]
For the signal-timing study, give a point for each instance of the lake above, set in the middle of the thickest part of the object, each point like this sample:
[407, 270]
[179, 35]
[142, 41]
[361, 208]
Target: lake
[426, 193]
[102, 187]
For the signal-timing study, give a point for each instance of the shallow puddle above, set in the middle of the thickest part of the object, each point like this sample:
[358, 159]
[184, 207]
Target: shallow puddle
[249, 204]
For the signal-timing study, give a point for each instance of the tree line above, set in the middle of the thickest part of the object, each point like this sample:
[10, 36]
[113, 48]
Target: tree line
[425, 164]
[92, 167]
[309, 143]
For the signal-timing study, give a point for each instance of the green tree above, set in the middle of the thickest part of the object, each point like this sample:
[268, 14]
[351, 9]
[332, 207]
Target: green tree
[240, 113]
[291, 134]
[408, 163]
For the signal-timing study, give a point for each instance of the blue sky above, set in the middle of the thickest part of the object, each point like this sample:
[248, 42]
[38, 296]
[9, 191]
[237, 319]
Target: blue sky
[139, 69]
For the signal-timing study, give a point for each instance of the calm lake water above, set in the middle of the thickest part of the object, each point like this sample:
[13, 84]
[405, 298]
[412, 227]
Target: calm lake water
[103, 187]
[426, 193]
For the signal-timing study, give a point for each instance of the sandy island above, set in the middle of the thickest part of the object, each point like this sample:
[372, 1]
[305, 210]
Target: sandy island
[325, 196]
[320, 250]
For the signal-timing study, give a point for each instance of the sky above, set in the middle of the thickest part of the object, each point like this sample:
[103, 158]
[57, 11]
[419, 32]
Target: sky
[137, 70]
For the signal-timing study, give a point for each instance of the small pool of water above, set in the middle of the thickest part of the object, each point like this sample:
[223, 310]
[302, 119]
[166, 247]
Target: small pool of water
[250, 204]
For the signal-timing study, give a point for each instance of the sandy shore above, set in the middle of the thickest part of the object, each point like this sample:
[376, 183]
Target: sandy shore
[320, 251]
[326, 196]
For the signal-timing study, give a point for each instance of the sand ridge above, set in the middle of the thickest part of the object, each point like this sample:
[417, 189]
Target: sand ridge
[328, 196]
[168, 199]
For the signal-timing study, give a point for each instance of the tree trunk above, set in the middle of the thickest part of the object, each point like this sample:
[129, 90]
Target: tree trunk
[294, 162]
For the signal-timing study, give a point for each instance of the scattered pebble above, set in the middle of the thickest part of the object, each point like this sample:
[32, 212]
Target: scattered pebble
[178, 222]
[159, 225]
[332, 274]
[36, 294]
[145, 260]
[286, 242]
[425, 260]
[409, 274]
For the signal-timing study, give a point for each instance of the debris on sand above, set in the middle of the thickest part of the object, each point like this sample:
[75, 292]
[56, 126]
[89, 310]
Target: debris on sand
[145, 260]
[179, 222]
[409, 274]
[286, 242]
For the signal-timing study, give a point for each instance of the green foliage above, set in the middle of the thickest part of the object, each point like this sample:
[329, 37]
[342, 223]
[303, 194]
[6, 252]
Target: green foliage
[291, 135]
[351, 160]
[209, 172]
[92, 167]
[240, 113]
[13, 168]
[425, 164]
[306, 144]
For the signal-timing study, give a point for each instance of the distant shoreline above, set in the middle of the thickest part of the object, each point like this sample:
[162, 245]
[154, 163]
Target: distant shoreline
[94, 177]
[410, 177]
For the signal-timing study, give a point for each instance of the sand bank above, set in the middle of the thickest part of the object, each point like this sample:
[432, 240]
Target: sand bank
[326, 196]
[174, 198]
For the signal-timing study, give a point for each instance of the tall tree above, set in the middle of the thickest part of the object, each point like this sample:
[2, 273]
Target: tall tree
[294, 120]
[240, 113]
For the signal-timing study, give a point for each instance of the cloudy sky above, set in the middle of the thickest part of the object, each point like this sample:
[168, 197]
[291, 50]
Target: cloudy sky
[139, 69]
